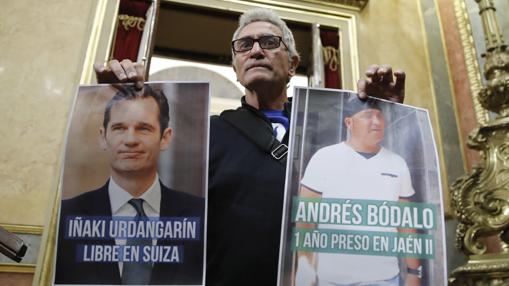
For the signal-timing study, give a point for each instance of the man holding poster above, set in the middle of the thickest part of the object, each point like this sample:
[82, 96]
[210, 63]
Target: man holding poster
[134, 229]
[357, 169]
[247, 183]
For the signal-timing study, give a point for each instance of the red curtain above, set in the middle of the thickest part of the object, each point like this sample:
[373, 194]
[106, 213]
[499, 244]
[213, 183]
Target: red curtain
[131, 21]
[332, 65]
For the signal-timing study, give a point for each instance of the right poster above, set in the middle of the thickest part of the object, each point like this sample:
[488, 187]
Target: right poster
[363, 203]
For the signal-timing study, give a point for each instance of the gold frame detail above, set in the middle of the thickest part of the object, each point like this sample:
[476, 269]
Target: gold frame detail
[96, 35]
[356, 5]
[93, 43]
[17, 268]
[20, 229]
[301, 5]
[23, 229]
[44, 272]
[481, 198]
[472, 65]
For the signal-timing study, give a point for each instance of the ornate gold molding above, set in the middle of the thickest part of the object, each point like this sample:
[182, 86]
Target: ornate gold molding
[479, 268]
[130, 22]
[472, 65]
[351, 4]
[101, 36]
[304, 6]
[20, 229]
[86, 76]
[481, 198]
[149, 36]
[17, 268]
[23, 229]
[331, 57]
[494, 96]
[45, 260]
[326, 5]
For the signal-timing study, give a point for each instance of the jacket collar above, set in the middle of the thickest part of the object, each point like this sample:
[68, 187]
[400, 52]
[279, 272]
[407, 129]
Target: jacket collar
[287, 108]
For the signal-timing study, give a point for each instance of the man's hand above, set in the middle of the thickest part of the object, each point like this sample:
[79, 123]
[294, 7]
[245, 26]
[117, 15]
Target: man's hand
[124, 71]
[380, 83]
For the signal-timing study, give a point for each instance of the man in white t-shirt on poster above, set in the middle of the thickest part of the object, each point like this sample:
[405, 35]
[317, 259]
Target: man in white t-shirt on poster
[358, 168]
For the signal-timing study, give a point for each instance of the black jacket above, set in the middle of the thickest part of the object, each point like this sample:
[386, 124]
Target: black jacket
[246, 189]
[97, 203]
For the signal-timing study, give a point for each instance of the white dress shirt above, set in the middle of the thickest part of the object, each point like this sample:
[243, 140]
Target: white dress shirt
[120, 207]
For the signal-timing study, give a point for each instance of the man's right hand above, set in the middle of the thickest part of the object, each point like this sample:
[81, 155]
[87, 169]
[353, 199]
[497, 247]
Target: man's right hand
[117, 72]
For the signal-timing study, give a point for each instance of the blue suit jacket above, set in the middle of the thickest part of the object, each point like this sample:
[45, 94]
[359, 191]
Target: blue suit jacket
[97, 203]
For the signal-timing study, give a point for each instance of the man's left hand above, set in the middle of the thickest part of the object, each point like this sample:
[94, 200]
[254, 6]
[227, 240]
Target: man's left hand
[380, 83]
[119, 72]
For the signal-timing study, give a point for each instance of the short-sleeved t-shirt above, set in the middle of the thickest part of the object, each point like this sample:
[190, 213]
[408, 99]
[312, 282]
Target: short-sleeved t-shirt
[338, 171]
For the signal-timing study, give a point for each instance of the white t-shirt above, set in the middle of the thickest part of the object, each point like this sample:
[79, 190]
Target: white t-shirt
[338, 171]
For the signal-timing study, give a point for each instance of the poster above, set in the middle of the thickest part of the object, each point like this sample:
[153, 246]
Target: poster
[363, 203]
[134, 186]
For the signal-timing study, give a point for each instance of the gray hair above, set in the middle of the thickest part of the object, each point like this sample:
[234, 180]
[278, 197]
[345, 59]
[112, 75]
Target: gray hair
[267, 15]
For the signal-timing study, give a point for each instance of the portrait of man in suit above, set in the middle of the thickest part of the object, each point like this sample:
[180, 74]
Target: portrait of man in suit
[135, 129]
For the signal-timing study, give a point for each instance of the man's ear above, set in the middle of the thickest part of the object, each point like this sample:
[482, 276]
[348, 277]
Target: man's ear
[234, 68]
[102, 139]
[165, 139]
[294, 63]
[348, 122]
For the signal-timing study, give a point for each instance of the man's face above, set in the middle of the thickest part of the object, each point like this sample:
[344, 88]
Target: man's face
[367, 126]
[259, 66]
[133, 139]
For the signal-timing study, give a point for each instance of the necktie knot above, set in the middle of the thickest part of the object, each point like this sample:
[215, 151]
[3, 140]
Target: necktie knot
[138, 206]
[137, 272]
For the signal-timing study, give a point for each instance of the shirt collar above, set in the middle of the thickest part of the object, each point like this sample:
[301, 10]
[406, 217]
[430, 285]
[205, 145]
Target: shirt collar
[119, 197]
[287, 109]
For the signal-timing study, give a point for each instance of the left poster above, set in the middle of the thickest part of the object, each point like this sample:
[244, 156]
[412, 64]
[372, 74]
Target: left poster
[134, 186]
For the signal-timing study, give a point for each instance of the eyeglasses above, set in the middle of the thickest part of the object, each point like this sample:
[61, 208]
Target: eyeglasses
[265, 42]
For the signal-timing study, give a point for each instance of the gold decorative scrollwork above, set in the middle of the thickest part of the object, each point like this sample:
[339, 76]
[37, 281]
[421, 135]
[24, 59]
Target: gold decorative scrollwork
[482, 270]
[476, 139]
[466, 233]
[480, 199]
[503, 152]
[129, 22]
[331, 57]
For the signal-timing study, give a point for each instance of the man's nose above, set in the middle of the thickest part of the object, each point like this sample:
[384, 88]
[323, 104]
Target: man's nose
[256, 49]
[376, 120]
[130, 137]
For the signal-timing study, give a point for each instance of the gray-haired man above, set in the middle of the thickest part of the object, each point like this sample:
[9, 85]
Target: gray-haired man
[246, 182]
